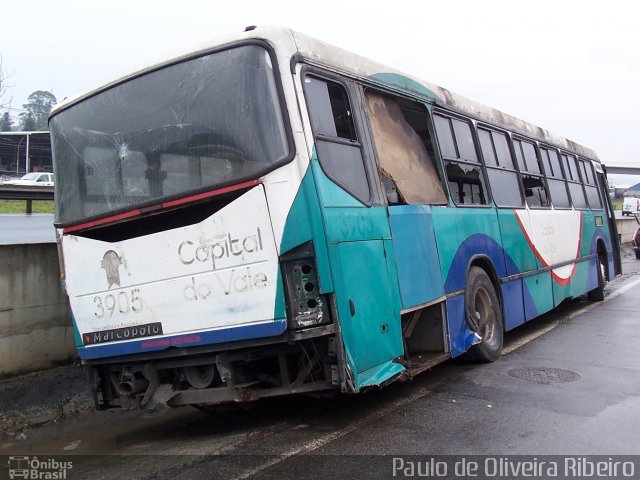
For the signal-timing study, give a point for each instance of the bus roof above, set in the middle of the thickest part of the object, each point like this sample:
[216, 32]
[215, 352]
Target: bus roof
[289, 44]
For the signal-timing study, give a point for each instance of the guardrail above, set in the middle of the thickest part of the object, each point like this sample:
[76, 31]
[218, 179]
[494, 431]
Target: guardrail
[26, 192]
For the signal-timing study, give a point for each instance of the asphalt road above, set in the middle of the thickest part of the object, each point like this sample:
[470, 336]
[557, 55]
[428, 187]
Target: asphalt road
[579, 396]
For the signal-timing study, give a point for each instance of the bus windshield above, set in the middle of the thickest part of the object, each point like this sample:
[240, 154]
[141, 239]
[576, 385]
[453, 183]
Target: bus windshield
[207, 122]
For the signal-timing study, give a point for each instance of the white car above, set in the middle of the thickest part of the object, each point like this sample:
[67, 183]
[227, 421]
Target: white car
[34, 178]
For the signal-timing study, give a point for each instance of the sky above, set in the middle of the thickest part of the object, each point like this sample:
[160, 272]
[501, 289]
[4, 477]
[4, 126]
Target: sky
[572, 67]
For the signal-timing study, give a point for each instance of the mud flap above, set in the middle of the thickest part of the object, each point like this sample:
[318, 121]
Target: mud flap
[460, 335]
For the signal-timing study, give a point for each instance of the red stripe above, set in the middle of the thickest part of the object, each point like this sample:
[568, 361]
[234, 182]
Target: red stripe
[213, 193]
[566, 281]
[172, 203]
[102, 221]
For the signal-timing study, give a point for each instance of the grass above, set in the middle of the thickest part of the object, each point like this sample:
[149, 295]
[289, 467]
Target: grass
[59, 411]
[20, 206]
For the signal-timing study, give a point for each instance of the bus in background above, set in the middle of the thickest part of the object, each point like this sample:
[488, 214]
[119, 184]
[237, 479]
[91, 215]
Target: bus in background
[275, 215]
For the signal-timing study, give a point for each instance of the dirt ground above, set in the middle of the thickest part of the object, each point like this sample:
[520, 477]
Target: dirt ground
[38, 398]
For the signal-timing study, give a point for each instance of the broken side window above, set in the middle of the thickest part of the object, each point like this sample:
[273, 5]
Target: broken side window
[337, 145]
[535, 190]
[404, 149]
[555, 178]
[463, 169]
[573, 178]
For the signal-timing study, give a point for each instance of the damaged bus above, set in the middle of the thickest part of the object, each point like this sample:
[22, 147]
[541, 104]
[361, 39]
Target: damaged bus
[274, 215]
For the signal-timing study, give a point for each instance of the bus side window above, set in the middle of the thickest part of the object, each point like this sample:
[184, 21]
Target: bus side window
[555, 178]
[462, 166]
[502, 174]
[535, 190]
[590, 185]
[573, 177]
[337, 146]
[404, 150]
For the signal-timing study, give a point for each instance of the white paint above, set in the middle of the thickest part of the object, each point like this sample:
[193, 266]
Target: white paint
[218, 273]
[555, 235]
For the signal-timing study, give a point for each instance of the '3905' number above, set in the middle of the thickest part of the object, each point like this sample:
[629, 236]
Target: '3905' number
[122, 302]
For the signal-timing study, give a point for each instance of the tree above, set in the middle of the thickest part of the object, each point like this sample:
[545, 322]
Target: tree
[28, 123]
[6, 122]
[4, 102]
[37, 109]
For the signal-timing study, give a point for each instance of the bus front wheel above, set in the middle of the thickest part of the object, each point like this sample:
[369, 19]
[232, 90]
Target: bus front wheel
[483, 306]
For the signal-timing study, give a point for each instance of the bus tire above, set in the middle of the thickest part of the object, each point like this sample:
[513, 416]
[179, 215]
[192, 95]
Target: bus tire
[597, 294]
[482, 302]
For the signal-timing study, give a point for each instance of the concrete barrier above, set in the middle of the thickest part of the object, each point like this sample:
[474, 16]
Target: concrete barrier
[35, 320]
[626, 228]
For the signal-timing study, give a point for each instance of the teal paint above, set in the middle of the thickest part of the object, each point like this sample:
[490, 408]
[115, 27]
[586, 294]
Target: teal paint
[355, 260]
[356, 224]
[76, 333]
[366, 300]
[404, 83]
[541, 291]
[575, 288]
[280, 309]
[304, 223]
[454, 226]
[363, 267]
[587, 231]
[378, 375]
[514, 243]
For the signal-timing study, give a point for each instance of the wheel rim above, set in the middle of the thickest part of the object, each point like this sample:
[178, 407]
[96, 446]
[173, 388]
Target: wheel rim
[603, 271]
[485, 316]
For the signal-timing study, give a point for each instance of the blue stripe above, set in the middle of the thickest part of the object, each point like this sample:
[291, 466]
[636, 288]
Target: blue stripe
[151, 344]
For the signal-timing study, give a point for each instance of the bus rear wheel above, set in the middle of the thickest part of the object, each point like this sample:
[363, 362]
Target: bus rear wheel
[597, 294]
[483, 306]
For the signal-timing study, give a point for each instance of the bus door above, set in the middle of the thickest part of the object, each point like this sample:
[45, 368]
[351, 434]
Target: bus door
[409, 174]
[611, 219]
[356, 231]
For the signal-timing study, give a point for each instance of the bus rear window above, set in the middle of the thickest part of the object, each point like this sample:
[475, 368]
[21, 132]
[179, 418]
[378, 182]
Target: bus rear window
[207, 122]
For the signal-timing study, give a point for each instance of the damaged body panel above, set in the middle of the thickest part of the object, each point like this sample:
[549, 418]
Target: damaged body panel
[216, 266]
